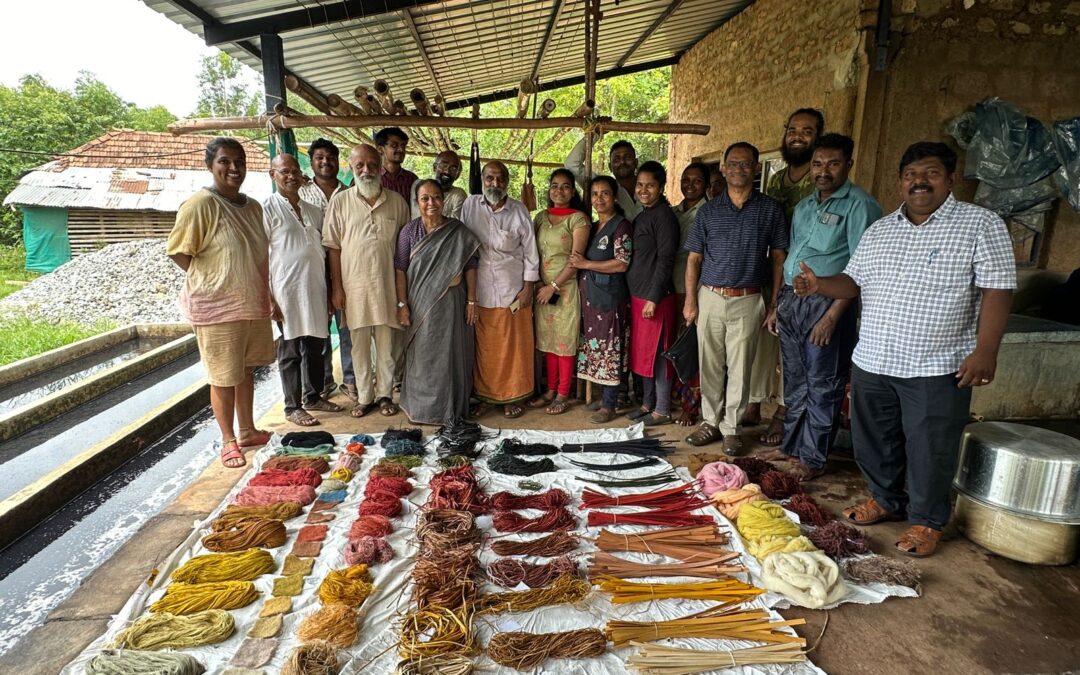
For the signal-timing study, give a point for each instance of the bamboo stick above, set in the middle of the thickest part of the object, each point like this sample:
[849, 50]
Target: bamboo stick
[304, 121]
[339, 106]
[382, 92]
[724, 621]
[526, 90]
[658, 660]
[293, 84]
[420, 101]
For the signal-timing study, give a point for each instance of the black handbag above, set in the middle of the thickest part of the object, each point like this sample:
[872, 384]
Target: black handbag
[683, 354]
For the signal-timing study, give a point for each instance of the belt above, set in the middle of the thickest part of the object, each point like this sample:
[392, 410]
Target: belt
[732, 292]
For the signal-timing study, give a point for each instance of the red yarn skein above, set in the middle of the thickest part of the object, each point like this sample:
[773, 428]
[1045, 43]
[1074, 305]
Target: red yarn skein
[381, 504]
[368, 551]
[279, 477]
[399, 487]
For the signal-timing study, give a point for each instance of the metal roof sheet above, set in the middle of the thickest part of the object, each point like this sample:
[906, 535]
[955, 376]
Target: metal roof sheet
[120, 189]
[478, 49]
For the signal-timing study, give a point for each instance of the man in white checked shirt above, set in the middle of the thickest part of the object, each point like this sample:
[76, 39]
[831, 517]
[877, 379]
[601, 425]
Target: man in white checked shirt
[936, 279]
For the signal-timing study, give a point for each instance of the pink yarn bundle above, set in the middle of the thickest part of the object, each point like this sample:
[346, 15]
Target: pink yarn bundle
[255, 495]
[368, 551]
[720, 476]
[347, 460]
[280, 478]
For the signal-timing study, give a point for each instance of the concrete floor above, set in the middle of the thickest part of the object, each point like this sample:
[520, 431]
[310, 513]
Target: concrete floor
[979, 613]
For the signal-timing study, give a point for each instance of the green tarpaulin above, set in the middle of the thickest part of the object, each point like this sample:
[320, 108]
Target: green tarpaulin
[45, 236]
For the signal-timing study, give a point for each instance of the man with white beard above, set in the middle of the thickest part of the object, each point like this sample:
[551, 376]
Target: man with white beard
[360, 234]
[509, 267]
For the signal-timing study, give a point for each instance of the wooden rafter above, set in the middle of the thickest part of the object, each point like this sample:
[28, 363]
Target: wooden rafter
[411, 24]
[553, 20]
[674, 5]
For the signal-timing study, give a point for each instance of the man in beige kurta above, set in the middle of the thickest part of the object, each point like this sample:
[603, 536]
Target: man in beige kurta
[360, 233]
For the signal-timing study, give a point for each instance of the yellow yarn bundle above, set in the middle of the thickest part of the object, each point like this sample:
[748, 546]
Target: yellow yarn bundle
[343, 474]
[778, 544]
[240, 566]
[190, 598]
[761, 519]
[337, 624]
[170, 631]
[349, 586]
[730, 502]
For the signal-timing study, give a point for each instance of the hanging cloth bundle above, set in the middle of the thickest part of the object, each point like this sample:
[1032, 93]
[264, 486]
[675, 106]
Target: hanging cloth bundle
[476, 184]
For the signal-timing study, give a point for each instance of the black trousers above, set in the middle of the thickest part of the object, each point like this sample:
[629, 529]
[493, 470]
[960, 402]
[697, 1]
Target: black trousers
[907, 434]
[300, 362]
[814, 377]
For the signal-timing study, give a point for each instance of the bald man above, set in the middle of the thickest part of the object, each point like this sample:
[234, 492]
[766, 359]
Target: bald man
[360, 233]
[509, 266]
[445, 171]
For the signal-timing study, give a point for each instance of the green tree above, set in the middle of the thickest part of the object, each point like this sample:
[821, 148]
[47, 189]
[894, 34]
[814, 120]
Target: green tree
[223, 89]
[38, 120]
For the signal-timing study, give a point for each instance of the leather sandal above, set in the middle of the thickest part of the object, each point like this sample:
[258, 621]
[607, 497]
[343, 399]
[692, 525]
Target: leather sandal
[232, 457]
[705, 434]
[918, 541]
[869, 512]
[302, 418]
[807, 473]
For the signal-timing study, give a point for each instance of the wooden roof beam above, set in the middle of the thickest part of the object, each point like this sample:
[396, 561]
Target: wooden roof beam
[411, 24]
[217, 33]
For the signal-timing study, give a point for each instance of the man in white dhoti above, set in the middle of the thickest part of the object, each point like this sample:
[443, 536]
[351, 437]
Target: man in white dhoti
[298, 291]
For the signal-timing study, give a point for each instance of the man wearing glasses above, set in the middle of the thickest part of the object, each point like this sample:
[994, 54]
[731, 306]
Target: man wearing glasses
[735, 239]
[392, 143]
[445, 171]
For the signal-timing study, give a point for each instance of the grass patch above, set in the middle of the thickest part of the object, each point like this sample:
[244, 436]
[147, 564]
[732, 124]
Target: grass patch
[21, 337]
[13, 266]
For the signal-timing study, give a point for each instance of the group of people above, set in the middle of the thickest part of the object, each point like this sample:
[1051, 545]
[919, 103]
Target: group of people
[450, 297]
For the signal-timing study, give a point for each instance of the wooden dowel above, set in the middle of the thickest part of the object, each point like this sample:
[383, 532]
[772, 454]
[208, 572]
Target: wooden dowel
[304, 121]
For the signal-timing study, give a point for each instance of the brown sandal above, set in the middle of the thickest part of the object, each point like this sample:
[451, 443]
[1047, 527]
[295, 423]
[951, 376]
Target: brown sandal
[774, 434]
[705, 434]
[869, 512]
[918, 541]
[302, 418]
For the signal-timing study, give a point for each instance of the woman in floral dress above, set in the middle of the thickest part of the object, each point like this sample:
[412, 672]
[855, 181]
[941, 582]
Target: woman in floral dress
[605, 299]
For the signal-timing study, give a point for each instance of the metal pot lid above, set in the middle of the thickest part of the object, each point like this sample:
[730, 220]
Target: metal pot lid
[1026, 470]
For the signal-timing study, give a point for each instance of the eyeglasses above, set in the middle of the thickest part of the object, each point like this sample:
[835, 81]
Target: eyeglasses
[746, 164]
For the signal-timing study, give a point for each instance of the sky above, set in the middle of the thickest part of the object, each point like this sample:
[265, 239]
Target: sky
[140, 54]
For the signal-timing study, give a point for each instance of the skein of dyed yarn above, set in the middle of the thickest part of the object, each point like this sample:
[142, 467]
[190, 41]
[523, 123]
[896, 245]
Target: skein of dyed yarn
[348, 461]
[239, 566]
[406, 434]
[810, 579]
[779, 485]
[337, 624]
[754, 467]
[808, 510]
[349, 586]
[312, 658]
[404, 447]
[390, 470]
[381, 504]
[399, 487]
[370, 526]
[170, 631]
[758, 519]
[294, 451]
[190, 598]
[332, 485]
[368, 551]
[247, 533]
[365, 439]
[308, 439]
[320, 464]
[772, 543]
[273, 511]
[342, 473]
[280, 477]
[730, 502]
[719, 476]
[262, 495]
[132, 662]
[354, 448]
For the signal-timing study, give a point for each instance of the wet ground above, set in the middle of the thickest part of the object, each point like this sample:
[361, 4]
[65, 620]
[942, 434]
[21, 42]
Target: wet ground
[979, 613]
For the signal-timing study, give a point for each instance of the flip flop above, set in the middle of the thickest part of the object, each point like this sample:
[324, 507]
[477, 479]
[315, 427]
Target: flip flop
[513, 411]
[651, 420]
[558, 406]
[231, 453]
[258, 438]
[302, 418]
[542, 401]
[362, 409]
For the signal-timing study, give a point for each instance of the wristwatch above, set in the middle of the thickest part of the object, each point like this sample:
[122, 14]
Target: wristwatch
[555, 286]
[401, 305]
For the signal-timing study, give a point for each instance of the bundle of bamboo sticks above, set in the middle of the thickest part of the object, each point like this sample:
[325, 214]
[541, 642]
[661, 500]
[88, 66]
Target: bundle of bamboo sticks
[657, 660]
[688, 543]
[730, 590]
[723, 622]
[605, 564]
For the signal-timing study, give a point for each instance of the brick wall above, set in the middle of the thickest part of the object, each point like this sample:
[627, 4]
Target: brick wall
[952, 54]
[744, 78]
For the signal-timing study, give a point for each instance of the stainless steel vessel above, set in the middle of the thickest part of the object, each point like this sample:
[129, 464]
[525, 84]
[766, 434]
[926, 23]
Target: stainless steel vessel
[1021, 469]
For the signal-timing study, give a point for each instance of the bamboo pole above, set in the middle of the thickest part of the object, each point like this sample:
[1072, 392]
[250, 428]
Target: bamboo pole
[382, 91]
[188, 126]
[293, 84]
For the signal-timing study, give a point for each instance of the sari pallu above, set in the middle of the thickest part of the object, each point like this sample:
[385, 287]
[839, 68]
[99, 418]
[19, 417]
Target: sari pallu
[439, 345]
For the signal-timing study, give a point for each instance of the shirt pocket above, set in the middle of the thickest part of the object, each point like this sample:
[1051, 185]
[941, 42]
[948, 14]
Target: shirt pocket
[507, 240]
[948, 267]
[827, 237]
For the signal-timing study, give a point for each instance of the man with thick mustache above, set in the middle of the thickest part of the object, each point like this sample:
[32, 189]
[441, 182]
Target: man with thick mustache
[789, 187]
[935, 279]
[509, 267]
[445, 171]
[360, 233]
[817, 334]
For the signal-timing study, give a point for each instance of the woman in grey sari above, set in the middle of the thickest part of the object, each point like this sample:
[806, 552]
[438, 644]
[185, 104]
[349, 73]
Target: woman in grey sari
[435, 265]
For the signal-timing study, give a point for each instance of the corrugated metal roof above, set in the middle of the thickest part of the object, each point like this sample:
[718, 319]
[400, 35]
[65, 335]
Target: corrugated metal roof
[102, 188]
[476, 47]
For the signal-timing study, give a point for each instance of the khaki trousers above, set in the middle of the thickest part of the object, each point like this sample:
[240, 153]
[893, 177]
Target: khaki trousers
[727, 339]
[763, 380]
[374, 371]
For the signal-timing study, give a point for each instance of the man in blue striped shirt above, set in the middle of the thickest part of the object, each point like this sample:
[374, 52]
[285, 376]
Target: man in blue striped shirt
[728, 266]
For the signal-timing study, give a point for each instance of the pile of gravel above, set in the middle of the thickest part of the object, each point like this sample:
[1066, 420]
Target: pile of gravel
[131, 282]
